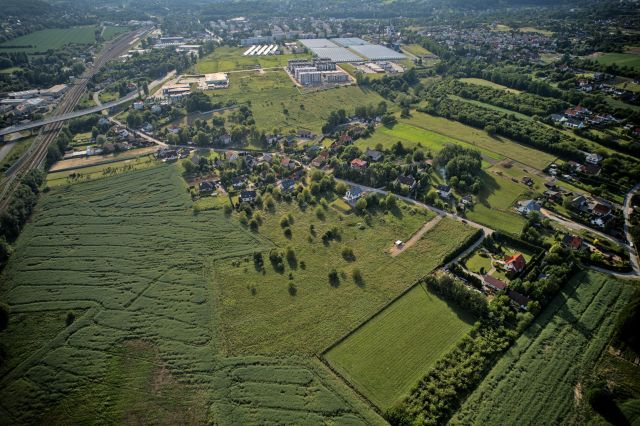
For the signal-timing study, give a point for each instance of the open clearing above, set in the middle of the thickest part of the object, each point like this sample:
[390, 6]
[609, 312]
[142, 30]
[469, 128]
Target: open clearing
[415, 49]
[128, 255]
[55, 38]
[537, 377]
[277, 103]
[231, 58]
[621, 59]
[395, 250]
[487, 83]
[258, 314]
[389, 354]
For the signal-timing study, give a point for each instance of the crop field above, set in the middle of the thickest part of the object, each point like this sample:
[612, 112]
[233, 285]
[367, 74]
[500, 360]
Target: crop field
[130, 258]
[54, 38]
[411, 136]
[230, 58]
[389, 354]
[621, 59]
[495, 201]
[540, 376]
[260, 313]
[277, 103]
[481, 140]
[487, 83]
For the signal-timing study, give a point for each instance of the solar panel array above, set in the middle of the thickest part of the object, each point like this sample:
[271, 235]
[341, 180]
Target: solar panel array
[349, 41]
[376, 52]
[336, 54]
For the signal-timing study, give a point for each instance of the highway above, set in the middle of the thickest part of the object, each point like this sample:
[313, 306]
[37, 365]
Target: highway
[37, 152]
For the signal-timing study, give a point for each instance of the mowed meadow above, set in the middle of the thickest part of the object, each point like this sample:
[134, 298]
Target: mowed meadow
[258, 314]
[388, 355]
[113, 320]
[540, 376]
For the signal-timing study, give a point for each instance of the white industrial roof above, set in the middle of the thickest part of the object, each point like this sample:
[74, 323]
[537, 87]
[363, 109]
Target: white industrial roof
[349, 41]
[336, 54]
[376, 52]
[317, 42]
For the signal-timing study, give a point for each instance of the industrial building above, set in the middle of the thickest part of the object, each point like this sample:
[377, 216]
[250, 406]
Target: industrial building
[216, 80]
[317, 71]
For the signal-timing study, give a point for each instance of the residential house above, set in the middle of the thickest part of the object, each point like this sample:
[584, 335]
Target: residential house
[527, 181]
[574, 242]
[494, 283]
[320, 159]
[358, 163]
[553, 196]
[515, 264]
[593, 158]
[287, 185]
[407, 181]
[247, 196]
[519, 300]
[206, 187]
[238, 181]
[600, 209]
[580, 203]
[373, 155]
[444, 191]
[232, 155]
[353, 194]
[288, 163]
[527, 206]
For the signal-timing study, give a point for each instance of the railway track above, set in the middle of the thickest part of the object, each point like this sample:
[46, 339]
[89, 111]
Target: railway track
[37, 152]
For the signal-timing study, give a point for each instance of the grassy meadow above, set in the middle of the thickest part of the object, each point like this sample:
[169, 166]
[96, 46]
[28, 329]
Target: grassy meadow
[392, 352]
[277, 103]
[53, 38]
[129, 257]
[540, 376]
[631, 60]
[258, 313]
[487, 83]
[227, 58]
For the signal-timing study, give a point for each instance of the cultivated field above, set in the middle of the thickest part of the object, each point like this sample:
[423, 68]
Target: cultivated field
[130, 259]
[621, 59]
[231, 58]
[540, 376]
[277, 103]
[388, 356]
[415, 49]
[258, 313]
[54, 38]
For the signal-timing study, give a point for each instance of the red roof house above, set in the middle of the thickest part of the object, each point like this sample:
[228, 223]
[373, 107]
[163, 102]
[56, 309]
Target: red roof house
[357, 163]
[515, 263]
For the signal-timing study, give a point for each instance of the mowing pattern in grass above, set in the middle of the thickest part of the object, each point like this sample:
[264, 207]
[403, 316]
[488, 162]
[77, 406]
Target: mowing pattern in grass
[538, 376]
[277, 103]
[259, 315]
[388, 355]
[53, 38]
[130, 258]
[231, 58]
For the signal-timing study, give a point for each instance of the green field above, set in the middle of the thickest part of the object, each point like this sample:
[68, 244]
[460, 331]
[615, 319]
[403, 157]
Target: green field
[257, 313]
[100, 171]
[387, 357]
[487, 83]
[231, 58]
[540, 376]
[112, 31]
[415, 49]
[55, 38]
[131, 259]
[631, 60]
[481, 140]
[273, 92]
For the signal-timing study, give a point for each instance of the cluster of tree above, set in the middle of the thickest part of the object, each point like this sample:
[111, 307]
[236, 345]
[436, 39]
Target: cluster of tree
[370, 111]
[525, 103]
[198, 101]
[392, 87]
[242, 115]
[56, 150]
[20, 207]
[452, 289]
[508, 125]
[40, 71]
[334, 121]
[462, 167]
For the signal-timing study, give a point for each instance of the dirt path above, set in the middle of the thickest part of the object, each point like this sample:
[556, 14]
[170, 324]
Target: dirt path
[395, 250]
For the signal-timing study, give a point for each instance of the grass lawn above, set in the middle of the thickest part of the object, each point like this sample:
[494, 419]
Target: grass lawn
[257, 312]
[620, 59]
[16, 152]
[54, 38]
[415, 49]
[231, 58]
[131, 258]
[480, 139]
[411, 136]
[476, 263]
[535, 30]
[113, 31]
[495, 201]
[487, 83]
[277, 103]
[388, 356]
[540, 377]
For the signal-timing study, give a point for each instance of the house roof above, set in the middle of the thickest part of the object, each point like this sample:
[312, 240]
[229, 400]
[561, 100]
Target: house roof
[494, 282]
[520, 299]
[517, 261]
[287, 183]
[443, 188]
[573, 241]
[355, 191]
[407, 180]
[358, 162]
[373, 154]
[601, 209]
[529, 205]
[247, 194]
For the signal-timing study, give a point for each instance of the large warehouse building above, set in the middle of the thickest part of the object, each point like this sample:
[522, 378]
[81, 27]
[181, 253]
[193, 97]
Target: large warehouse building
[350, 49]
